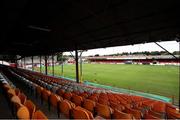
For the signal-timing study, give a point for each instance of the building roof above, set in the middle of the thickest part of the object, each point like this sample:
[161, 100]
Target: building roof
[38, 27]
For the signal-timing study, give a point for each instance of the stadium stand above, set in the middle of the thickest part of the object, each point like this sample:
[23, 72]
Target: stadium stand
[20, 106]
[83, 102]
[42, 28]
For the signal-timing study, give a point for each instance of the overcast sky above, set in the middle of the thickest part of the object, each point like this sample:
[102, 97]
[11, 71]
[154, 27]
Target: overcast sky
[169, 45]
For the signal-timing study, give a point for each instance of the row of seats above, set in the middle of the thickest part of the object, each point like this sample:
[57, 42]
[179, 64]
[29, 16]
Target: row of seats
[22, 108]
[102, 103]
[77, 100]
[65, 106]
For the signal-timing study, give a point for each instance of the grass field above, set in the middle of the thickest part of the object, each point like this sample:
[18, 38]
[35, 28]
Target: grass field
[161, 80]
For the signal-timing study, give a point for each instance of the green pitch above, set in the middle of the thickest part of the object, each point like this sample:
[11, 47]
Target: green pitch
[161, 80]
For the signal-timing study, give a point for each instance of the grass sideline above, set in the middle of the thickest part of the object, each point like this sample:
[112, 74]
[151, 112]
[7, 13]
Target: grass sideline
[160, 80]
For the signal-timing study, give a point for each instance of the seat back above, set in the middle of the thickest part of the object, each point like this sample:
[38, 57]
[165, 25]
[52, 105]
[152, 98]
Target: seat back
[136, 113]
[103, 111]
[11, 92]
[89, 105]
[159, 107]
[103, 101]
[80, 113]
[23, 113]
[117, 106]
[39, 115]
[15, 99]
[149, 116]
[54, 99]
[17, 91]
[65, 107]
[93, 98]
[31, 107]
[88, 112]
[60, 92]
[77, 100]
[38, 90]
[67, 95]
[156, 114]
[6, 87]
[121, 115]
[172, 113]
[22, 97]
[46, 94]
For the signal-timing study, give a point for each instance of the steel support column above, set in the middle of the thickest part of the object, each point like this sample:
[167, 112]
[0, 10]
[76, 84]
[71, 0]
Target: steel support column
[81, 77]
[53, 65]
[40, 64]
[46, 72]
[77, 70]
[32, 64]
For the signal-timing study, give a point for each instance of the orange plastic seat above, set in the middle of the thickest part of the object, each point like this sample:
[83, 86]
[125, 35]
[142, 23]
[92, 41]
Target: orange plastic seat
[103, 111]
[81, 113]
[117, 106]
[11, 92]
[23, 113]
[15, 99]
[104, 102]
[60, 92]
[39, 115]
[89, 113]
[17, 91]
[6, 87]
[149, 116]
[89, 105]
[45, 94]
[65, 107]
[77, 100]
[54, 99]
[22, 97]
[121, 115]
[38, 90]
[93, 98]
[172, 113]
[84, 95]
[67, 95]
[156, 114]
[137, 114]
[31, 107]
[159, 107]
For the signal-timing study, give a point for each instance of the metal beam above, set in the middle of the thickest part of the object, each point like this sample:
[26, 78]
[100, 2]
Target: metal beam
[165, 50]
[72, 55]
[77, 70]
[46, 72]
